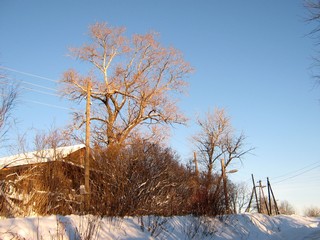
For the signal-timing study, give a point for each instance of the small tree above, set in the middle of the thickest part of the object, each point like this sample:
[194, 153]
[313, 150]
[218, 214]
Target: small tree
[133, 83]
[239, 196]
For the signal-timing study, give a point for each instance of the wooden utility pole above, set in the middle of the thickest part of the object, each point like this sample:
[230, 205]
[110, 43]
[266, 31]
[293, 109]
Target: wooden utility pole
[263, 199]
[224, 177]
[268, 203]
[269, 196]
[250, 201]
[196, 164]
[255, 193]
[87, 157]
[274, 199]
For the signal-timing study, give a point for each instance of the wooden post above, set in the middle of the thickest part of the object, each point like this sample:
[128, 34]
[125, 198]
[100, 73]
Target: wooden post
[263, 198]
[224, 177]
[87, 156]
[251, 197]
[269, 196]
[274, 199]
[255, 193]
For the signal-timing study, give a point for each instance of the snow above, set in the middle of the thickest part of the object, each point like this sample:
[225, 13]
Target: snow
[251, 226]
[38, 156]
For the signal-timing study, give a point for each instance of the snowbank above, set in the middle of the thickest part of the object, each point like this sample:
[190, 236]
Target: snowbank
[241, 226]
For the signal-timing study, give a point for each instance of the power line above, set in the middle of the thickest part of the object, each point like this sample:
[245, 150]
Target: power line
[29, 74]
[294, 176]
[39, 91]
[45, 104]
[50, 105]
[35, 90]
[33, 84]
[289, 173]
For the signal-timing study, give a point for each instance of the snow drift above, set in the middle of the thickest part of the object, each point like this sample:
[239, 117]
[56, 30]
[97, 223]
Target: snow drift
[241, 226]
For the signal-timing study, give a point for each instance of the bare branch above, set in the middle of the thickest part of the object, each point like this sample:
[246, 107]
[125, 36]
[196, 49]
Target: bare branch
[8, 99]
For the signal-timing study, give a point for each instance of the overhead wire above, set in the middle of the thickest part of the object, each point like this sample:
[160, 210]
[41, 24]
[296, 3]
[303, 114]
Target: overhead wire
[32, 84]
[299, 172]
[292, 172]
[39, 91]
[296, 175]
[36, 85]
[29, 74]
[50, 105]
[34, 90]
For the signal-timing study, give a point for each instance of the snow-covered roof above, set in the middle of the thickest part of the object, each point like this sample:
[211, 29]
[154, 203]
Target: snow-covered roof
[39, 156]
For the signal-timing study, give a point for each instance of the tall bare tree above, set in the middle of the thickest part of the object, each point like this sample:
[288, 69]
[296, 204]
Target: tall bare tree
[212, 138]
[216, 140]
[8, 99]
[134, 82]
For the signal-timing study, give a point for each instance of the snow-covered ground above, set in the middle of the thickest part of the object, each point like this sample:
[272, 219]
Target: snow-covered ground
[241, 226]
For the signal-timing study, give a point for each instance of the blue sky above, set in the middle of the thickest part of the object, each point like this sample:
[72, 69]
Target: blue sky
[252, 58]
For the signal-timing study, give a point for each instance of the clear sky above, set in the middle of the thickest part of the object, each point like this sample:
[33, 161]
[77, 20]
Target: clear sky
[252, 58]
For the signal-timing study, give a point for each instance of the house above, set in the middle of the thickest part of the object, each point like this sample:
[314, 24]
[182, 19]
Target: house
[40, 156]
[42, 182]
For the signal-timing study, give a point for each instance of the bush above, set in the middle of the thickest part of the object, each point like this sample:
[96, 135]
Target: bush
[286, 208]
[140, 179]
[312, 212]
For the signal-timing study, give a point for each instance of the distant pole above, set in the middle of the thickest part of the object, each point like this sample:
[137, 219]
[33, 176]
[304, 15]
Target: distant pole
[87, 157]
[224, 176]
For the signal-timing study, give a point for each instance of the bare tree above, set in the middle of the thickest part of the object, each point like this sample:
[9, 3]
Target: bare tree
[133, 82]
[210, 141]
[313, 17]
[8, 99]
[216, 141]
[313, 8]
[239, 196]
